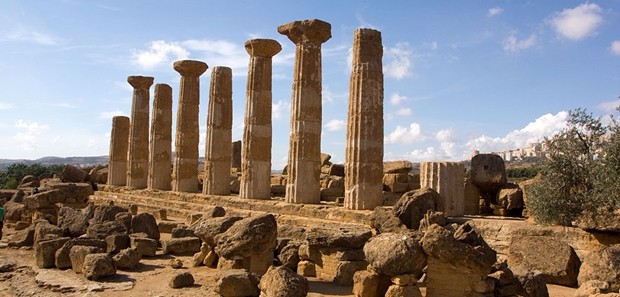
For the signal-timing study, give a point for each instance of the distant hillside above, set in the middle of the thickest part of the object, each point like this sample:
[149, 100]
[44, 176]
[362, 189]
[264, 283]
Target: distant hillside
[76, 161]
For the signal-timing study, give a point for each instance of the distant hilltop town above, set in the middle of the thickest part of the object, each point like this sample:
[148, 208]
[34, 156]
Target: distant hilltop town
[533, 150]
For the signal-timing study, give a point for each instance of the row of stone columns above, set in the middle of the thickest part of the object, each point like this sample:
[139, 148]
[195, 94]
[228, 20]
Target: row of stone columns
[149, 166]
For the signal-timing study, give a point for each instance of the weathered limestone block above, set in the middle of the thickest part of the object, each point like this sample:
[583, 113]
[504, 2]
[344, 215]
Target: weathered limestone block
[510, 197]
[396, 182]
[145, 246]
[488, 172]
[364, 147]
[72, 174]
[138, 156]
[219, 133]
[45, 251]
[370, 284]
[282, 281]
[63, 259]
[98, 266]
[257, 135]
[160, 151]
[603, 265]
[394, 254]
[306, 111]
[145, 223]
[413, 205]
[127, 259]
[181, 246]
[119, 145]
[472, 199]
[397, 167]
[398, 291]
[461, 283]
[447, 178]
[185, 169]
[181, 280]
[78, 253]
[236, 282]
[117, 242]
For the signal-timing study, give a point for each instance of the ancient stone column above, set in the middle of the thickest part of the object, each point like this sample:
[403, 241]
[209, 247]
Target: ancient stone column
[185, 168]
[161, 139]
[119, 141]
[218, 151]
[447, 178]
[304, 157]
[236, 155]
[363, 163]
[256, 145]
[138, 159]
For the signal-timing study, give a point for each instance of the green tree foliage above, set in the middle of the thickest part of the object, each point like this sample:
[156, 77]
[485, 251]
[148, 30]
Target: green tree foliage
[523, 172]
[581, 173]
[14, 173]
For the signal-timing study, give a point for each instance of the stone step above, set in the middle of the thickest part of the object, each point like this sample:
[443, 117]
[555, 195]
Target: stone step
[180, 205]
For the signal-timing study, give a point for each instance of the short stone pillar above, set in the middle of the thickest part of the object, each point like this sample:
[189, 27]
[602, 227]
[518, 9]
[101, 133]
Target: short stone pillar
[185, 167]
[160, 148]
[218, 152]
[448, 179]
[138, 159]
[256, 145]
[363, 163]
[119, 141]
[304, 157]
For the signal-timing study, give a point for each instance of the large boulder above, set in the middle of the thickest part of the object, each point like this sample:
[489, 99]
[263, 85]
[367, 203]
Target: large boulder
[78, 253]
[592, 288]
[98, 266]
[556, 260]
[368, 283]
[603, 265]
[45, 251]
[282, 281]
[488, 172]
[384, 220]
[181, 280]
[72, 174]
[393, 254]
[105, 229]
[44, 230]
[236, 283]
[63, 259]
[14, 211]
[510, 196]
[247, 237]
[72, 192]
[532, 284]
[208, 228]
[602, 220]
[145, 246]
[181, 246]
[145, 223]
[343, 237]
[106, 213]
[127, 259]
[412, 206]
[73, 221]
[464, 249]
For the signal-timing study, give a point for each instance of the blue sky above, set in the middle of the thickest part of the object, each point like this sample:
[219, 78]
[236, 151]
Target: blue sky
[459, 75]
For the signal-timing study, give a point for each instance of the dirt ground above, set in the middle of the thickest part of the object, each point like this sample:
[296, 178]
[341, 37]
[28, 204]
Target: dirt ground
[19, 276]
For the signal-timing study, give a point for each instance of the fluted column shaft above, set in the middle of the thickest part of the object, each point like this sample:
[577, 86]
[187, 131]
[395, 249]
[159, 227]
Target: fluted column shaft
[304, 159]
[257, 133]
[185, 167]
[119, 142]
[218, 151]
[447, 178]
[161, 139]
[138, 159]
[364, 147]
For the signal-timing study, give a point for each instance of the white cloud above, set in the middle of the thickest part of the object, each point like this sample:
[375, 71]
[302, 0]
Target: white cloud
[29, 132]
[399, 60]
[404, 112]
[447, 142]
[26, 35]
[405, 135]
[609, 106]
[494, 11]
[159, 52]
[110, 114]
[219, 53]
[579, 22]
[335, 125]
[396, 98]
[544, 126]
[4, 106]
[615, 47]
[280, 109]
[513, 44]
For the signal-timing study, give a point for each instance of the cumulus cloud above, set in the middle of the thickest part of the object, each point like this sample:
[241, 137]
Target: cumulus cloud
[579, 22]
[544, 126]
[404, 112]
[609, 106]
[615, 47]
[513, 44]
[335, 125]
[494, 11]
[280, 109]
[106, 115]
[28, 134]
[26, 35]
[399, 60]
[396, 98]
[405, 135]
[159, 52]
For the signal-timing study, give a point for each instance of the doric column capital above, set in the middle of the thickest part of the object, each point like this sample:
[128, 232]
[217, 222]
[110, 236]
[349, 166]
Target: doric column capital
[190, 67]
[266, 48]
[140, 82]
[307, 31]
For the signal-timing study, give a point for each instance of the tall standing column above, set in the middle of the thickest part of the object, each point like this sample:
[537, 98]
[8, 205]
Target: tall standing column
[185, 170]
[119, 141]
[256, 145]
[218, 151]
[137, 167]
[304, 157]
[161, 139]
[363, 165]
